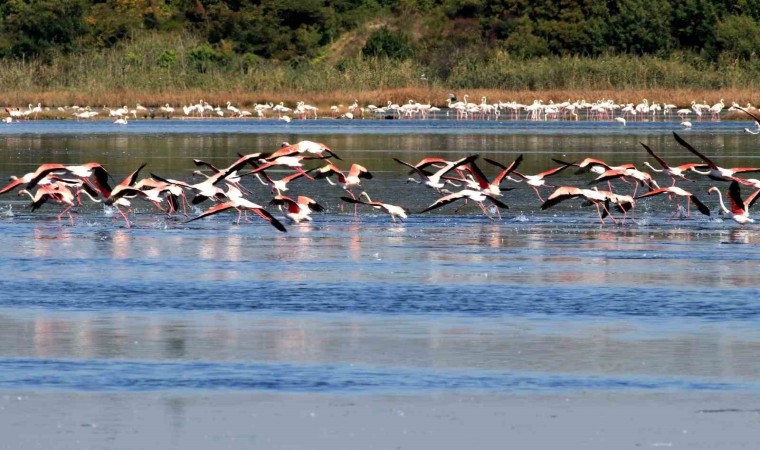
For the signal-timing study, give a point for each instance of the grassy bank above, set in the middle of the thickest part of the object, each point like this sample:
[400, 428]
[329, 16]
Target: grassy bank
[155, 69]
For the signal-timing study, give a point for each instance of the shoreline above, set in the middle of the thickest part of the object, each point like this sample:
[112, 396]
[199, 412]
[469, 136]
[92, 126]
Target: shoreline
[589, 420]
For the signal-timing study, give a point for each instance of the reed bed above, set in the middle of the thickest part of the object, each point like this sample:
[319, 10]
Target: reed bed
[155, 69]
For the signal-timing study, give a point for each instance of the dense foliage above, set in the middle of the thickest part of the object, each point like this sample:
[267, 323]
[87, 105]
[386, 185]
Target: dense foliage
[449, 40]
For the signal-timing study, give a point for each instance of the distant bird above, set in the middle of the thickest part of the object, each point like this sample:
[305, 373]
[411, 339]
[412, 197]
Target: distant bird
[121, 121]
[686, 124]
[620, 120]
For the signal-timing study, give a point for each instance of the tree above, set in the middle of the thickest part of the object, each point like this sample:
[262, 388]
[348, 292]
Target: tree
[738, 36]
[38, 26]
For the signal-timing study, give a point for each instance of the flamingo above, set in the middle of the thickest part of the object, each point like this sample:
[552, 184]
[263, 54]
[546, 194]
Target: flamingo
[241, 204]
[537, 180]
[123, 191]
[280, 185]
[642, 178]
[56, 191]
[475, 195]
[434, 180]
[593, 165]
[594, 196]
[715, 172]
[691, 198]
[314, 148]
[672, 172]
[348, 181]
[299, 209]
[739, 208]
[393, 210]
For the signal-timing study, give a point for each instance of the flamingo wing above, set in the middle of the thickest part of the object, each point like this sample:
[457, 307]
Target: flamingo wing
[751, 199]
[43, 171]
[654, 155]
[12, 185]
[443, 201]
[287, 201]
[688, 147]
[735, 199]
[561, 194]
[553, 171]
[264, 214]
[213, 210]
[700, 206]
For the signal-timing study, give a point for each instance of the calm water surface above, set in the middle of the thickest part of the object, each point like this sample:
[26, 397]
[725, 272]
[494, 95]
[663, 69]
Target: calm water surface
[543, 301]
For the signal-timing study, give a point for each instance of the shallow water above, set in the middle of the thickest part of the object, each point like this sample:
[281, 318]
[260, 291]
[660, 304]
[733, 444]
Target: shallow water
[539, 301]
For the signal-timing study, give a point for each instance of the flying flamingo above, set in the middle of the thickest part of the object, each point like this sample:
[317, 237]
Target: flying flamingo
[238, 202]
[475, 195]
[691, 198]
[715, 172]
[433, 180]
[348, 181]
[538, 180]
[393, 210]
[672, 172]
[123, 191]
[594, 196]
[280, 185]
[739, 208]
[57, 192]
[299, 209]
[315, 148]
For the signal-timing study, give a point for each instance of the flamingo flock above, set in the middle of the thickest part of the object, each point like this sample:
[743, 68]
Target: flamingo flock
[610, 190]
[538, 110]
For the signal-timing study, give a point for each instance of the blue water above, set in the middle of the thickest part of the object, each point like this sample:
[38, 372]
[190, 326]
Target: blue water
[539, 301]
[374, 127]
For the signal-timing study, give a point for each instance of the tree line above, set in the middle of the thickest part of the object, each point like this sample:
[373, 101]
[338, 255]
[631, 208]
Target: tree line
[439, 34]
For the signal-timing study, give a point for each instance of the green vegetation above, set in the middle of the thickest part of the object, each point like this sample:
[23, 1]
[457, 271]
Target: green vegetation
[98, 46]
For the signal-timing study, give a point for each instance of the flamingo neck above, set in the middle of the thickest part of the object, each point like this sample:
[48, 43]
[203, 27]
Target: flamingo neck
[720, 199]
[650, 166]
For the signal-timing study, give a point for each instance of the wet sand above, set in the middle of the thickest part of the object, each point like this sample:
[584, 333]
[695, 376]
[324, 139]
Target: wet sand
[589, 421]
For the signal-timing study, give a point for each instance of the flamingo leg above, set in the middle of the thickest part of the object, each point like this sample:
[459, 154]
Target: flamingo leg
[538, 194]
[126, 220]
[483, 208]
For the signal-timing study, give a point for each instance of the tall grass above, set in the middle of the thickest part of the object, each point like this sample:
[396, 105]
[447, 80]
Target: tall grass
[154, 69]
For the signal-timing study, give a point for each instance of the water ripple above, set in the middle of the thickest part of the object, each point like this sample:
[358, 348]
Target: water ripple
[98, 375]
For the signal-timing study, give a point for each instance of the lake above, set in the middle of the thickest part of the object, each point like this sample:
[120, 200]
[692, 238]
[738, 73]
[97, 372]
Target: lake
[447, 301]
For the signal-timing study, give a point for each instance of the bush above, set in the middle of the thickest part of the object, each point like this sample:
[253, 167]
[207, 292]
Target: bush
[204, 57]
[387, 43]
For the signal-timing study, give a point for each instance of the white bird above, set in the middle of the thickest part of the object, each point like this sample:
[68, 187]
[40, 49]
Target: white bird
[122, 121]
[686, 124]
[620, 120]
